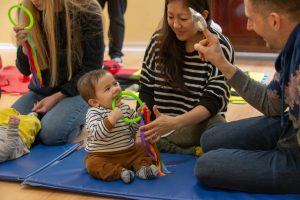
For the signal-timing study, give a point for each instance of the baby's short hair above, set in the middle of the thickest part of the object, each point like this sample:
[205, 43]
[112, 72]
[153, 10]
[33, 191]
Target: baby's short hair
[87, 83]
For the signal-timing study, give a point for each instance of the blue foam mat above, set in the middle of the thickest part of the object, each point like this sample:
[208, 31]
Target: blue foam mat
[69, 174]
[40, 157]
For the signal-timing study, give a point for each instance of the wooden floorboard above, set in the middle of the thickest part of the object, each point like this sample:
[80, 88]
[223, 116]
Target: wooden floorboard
[11, 190]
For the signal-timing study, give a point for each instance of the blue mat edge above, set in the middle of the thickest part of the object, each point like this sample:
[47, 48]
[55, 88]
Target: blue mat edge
[66, 153]
[123, 196]
[91, 192]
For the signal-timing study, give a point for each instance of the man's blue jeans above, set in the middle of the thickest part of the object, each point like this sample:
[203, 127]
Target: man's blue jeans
[251, 155]
[62, 123]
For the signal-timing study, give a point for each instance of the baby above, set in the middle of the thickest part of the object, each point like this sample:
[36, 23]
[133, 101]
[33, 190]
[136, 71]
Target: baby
[112, 151]
[17, 133]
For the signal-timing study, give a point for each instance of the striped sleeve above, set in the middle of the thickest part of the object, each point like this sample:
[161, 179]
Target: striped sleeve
[95, 123]
[130, 113]
[216, 93]
[147, 79]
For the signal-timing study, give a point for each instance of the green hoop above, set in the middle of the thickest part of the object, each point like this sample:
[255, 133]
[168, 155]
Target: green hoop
[26, 11]
[122, 94]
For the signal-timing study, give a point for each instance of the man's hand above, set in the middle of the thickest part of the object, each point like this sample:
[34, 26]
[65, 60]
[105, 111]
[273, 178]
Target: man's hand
[209, 50]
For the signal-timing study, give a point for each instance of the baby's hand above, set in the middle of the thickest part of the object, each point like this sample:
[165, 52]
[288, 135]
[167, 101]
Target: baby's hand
[115, 115]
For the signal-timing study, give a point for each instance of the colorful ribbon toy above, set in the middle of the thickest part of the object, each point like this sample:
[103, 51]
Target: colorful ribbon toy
[151, 147]
[31, 50]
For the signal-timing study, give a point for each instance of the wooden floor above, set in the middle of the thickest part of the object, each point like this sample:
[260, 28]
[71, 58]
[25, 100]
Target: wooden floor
[11, 190]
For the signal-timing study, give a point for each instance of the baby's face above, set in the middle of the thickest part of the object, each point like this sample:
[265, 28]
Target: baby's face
[106, 89]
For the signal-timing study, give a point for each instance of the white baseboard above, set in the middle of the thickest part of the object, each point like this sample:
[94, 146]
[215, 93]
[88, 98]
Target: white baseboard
[141, 47]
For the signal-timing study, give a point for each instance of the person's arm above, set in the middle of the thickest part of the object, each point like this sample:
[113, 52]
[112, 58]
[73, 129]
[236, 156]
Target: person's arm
[216, 93]
[146, 91]
[210, 50]
[22, 62]
[99, 123]
[258, 95]
[196, 115]
[48, 102]
[93, 51]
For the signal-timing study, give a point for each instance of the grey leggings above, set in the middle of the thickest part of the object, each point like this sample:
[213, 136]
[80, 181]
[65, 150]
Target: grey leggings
[11, 144]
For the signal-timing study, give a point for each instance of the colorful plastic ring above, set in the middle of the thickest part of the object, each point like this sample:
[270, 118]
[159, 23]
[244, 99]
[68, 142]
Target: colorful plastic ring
[26, 11]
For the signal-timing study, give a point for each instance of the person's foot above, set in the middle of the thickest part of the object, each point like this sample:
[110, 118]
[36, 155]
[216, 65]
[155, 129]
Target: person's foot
[198, 151]
[149, 172]
[127, 175]
[13, 125]
[13, 120]
[118, 60]
[35, 114]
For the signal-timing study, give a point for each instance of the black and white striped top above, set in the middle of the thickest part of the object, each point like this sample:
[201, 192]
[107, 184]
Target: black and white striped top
[100, 139]
[205, 82]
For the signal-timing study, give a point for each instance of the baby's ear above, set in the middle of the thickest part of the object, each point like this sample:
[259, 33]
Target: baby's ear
[93, 102]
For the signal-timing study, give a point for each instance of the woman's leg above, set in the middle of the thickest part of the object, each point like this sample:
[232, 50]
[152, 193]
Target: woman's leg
[64, 121]
[25, 103]
[185, 140]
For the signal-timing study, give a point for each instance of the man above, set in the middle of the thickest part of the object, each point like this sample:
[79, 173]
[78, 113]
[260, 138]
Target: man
[260, 154]
[116, 11]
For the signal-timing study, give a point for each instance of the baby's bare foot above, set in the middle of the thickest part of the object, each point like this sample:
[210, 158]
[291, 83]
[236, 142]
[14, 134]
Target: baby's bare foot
[14, 120]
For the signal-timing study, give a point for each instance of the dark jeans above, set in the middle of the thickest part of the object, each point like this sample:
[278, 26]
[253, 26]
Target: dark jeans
[116, 10]
[251, 155]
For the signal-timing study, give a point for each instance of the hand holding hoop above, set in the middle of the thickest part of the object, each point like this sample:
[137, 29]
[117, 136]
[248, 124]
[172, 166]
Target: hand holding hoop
[26, 11]
[122, 94]
[31, 50]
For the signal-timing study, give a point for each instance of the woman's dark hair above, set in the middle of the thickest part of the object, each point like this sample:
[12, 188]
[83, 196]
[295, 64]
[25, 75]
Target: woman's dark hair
[172, 50]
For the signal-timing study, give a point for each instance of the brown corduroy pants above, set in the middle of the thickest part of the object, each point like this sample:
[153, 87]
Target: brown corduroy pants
[107, 166]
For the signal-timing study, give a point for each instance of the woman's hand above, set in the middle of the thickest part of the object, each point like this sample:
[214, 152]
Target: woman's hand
[138, 137]
[21, 38]
[161, 125]
[47, 103]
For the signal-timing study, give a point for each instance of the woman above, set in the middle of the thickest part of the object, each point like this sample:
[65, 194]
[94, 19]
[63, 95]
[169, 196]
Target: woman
[69, 41]
[187, 95]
